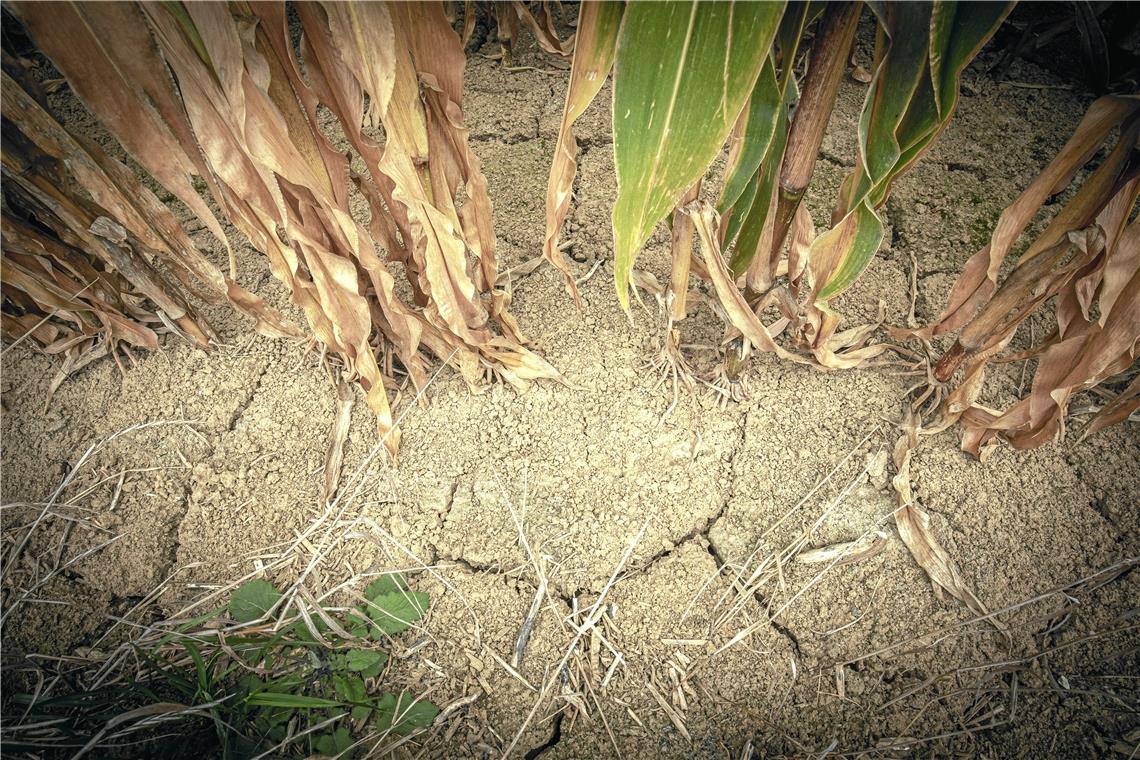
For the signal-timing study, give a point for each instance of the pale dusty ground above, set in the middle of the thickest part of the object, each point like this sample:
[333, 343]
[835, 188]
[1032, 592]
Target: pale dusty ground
[584, 468]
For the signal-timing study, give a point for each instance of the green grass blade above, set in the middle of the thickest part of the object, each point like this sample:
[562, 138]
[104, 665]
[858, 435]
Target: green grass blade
[298, 701]
[682, 75]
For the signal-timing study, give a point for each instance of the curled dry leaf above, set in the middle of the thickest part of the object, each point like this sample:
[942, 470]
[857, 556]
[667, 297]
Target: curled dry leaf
[598, 27]
[914, 528]
[541, 26]
[216, 92]
[681, 253]
[739, 313]
[334, 456]
[1086, 263]
[74, 281]
[847, 552]
[979, 276]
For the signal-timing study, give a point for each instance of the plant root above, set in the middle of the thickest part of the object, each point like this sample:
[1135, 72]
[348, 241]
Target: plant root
[729, 382]
[672, 369]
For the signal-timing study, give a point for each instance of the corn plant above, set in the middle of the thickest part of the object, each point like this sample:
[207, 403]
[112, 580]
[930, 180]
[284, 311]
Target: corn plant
[214, 92]
[1086, 263]
[509, 17]
[689, 76]
[80, 233]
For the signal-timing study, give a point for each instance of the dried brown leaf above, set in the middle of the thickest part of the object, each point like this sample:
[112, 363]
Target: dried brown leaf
[334, 456]
[914, 528]
[598, 26]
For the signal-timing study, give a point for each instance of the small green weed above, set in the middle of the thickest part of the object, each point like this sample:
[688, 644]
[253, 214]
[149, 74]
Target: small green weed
[310, 686]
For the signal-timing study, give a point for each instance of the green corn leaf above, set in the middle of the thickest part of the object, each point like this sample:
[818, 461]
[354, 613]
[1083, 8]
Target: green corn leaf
[747, 223]
[762, 114]
[750, 207]
[797, 17]
[682, 75]
[860, 232]
[252, 600]
[958, 31]
[911, 99]
[395, 612]
[404, 714]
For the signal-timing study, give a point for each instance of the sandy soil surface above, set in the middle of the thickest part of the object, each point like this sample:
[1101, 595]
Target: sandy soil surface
[692, 657]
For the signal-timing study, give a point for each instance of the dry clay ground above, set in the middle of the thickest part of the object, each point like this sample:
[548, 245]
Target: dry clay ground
[855, 656]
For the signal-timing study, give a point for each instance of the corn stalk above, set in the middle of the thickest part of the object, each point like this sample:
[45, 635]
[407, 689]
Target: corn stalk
[214, 91]
[683, 84]
[1086, 263]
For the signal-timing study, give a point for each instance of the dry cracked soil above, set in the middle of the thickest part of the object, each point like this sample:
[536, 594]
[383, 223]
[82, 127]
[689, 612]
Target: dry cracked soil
[708, 642]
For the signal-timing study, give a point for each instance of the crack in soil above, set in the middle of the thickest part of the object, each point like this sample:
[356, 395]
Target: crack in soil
[475, 568]
[831, 158]
[176, 531]
[780, 628]
[703, 529]
[957, 166]
[722, 562]
[555, 737]
[498, 138]
[213, 442]
[245, 403]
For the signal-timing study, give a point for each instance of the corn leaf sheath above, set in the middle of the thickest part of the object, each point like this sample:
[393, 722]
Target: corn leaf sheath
[757, 152]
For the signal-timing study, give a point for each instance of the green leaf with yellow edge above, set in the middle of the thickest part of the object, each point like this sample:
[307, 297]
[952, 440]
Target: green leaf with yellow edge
[861, 233]
[910, 101]
[682, 75]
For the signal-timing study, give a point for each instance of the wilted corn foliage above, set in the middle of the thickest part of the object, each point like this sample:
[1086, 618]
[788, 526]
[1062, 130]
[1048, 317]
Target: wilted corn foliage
[685, 80]
[1086, 263]
[216, 91]
[81, 236]
[509, 17]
